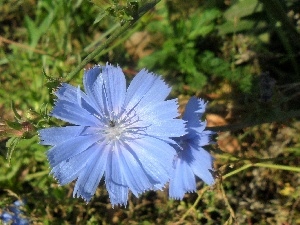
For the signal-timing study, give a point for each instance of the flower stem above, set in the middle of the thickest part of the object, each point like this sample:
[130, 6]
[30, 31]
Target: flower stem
[200, 194]
[98, 50]
[227, 204]
[265, 165]
[143, 9]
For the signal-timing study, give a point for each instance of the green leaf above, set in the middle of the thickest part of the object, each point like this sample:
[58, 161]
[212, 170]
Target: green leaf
[100, 16]
[14, 125]
[235, 26]
[11, 145]
[17, 115]
[204, 24]
[35, 32]
[242, 8]
[236, 17]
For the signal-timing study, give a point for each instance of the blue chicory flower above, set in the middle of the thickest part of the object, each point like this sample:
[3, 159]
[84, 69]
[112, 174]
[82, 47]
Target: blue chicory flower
[14, 215]
[191, 159]
[20, 221]
[6, 217]
[16, 207]
[122, 134]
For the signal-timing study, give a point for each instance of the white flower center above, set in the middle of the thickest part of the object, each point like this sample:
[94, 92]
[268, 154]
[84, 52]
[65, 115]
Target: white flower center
[114, 131]
[122, 127]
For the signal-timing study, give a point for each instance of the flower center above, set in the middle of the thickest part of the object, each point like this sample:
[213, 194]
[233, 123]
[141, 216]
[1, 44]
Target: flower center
[123, 126]
[114, 130]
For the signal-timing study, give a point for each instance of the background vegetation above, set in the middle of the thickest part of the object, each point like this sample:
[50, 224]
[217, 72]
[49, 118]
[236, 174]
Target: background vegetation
[241, 55]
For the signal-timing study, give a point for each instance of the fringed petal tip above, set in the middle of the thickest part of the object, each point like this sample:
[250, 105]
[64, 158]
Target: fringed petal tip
[176, 198]
[97, 66]
[86, 199]
[158, 187]
[144, 71]
[201, 106]
[57, 91]
[180, 198]
[118, 205]
[114, 203]
[100, 67]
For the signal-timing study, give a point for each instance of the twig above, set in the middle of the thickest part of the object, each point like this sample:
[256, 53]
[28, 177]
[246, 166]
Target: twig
[23, 46]
[200, 194]
[265, 165]
[232, 214]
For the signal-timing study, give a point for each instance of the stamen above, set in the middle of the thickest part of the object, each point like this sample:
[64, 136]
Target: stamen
[121, 127]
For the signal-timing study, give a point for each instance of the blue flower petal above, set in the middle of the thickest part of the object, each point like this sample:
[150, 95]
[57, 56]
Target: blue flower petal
[202, 165]
[89, 78]
[92, 173]
[72, 94]
[20, 221]
[174, 128]
[74, 114]
[134, 175]
[118, 194]
[194, 110]
[93, 87]
[6, 217]
[108, 89]
[205, 137]
[18, 203]
[147, 150]
[56, 135]
[15, 210]
[154, 112]
[69, 148]
[115, 88]
[115, 181]
[192, 160]
[145, 89]
[183, 179]
[68, 170]
[162, 122]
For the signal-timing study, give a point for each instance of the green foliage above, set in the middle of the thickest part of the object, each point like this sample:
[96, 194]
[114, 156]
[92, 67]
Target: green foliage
[188, 58]
[241, 17]
[122, 10]
[215, 66]
[178, 54]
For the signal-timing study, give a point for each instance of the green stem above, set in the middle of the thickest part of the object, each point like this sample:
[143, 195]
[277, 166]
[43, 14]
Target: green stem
[200, 194]
[36, 175]
[227, 204]
[236, 171]
[97, 51]
[120, 40]
[265, 165]
[279, 167]
[276, 10]
[143, 9]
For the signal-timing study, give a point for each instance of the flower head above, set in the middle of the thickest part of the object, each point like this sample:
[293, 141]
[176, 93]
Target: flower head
[122, 134]
[14, 215]
[191, 158]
